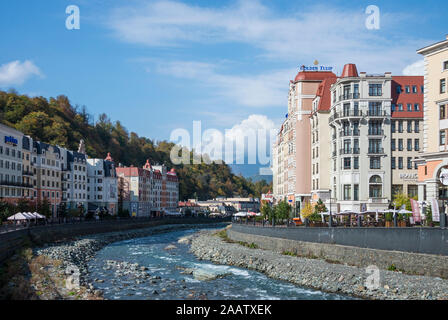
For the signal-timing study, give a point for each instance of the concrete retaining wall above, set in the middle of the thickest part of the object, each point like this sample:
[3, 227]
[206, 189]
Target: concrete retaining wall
[10, 242]
[419, 240]
[411, 262]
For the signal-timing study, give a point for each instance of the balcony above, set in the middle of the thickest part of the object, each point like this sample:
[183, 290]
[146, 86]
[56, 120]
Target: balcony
[27, 173]
[349, 151]
[376, 132]
[377, 113]
[376, 151]
[349, 96]
[346, 114]
[16, 184]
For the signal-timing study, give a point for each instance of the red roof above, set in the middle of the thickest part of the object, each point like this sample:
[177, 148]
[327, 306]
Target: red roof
[350, 70]
[314, 75]
[323, 91]
[407, 98]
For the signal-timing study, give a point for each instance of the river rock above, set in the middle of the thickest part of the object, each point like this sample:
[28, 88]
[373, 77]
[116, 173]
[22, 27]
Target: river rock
[170, 247]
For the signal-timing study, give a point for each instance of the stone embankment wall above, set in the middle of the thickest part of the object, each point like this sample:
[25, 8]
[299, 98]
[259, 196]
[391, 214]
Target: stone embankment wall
[10, 242]
[364, 254]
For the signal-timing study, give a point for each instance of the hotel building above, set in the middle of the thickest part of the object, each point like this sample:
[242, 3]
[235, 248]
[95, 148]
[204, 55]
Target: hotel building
[102, 189]
[11, 183]
[406, 132]
[320, 142]
[292, 149]
[74, 178]
[28, 171]
[433, 163]
[47, 162]
[360, 175]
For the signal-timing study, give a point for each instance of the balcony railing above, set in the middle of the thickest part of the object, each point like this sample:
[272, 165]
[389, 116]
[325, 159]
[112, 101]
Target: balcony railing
[346, 114]
[376, 151]
[27, 173]
[377, 113]
[376, 132]
[348, 96]
[349, 151]
[15, 184]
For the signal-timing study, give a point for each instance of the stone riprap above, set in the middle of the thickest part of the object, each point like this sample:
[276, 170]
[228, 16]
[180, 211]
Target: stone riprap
[319, 274]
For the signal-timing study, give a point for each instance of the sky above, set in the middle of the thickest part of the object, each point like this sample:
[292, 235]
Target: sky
[157, 66]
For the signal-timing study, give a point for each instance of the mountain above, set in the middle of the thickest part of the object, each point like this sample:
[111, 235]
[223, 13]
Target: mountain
[57, 122]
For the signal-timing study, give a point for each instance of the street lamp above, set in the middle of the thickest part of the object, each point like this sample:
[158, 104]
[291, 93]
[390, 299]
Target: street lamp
[330, 218]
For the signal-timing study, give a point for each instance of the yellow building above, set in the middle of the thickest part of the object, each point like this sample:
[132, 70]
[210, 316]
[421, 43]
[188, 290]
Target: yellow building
[433, 163]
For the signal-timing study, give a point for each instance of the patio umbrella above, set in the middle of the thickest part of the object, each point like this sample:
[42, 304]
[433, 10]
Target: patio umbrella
[240, 214]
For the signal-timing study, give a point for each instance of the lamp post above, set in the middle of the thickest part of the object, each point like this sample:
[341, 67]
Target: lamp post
[330, 217]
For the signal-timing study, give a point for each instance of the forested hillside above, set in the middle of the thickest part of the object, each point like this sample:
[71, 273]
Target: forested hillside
[58, 122]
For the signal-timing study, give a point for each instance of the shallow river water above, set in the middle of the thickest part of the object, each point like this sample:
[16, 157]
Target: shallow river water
[168, 280]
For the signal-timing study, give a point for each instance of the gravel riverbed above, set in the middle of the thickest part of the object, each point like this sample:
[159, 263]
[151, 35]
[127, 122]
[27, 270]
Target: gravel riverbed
[75, 255]
[318, 274]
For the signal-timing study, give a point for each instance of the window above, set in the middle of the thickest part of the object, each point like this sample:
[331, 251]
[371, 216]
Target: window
[400, 144]
[392, 144]
[417, 145]
[442, 85]
[400, 162]
[422, 89]
[375, 109]
[400, 107]
[397, 189]
[409, 163]
[412, 190]
[414, 89]
[400, 126]
[409, 126]
[442, 137]
[416, 107]
[399, 89]
[409, 107]
[356, 192]
[356, 163]
[442, 112]
[392, 126]
[347, 192]
[375, 187]
[416, 126]
[409, 145]
[375, 146]
[347, 163]
[375, 163]
[393, 107]
[392, 163]
[445, 65]
[408, 90]
[375, 89]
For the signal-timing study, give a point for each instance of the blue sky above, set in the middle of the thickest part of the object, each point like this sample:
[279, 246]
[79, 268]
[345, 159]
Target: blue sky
[159, 65]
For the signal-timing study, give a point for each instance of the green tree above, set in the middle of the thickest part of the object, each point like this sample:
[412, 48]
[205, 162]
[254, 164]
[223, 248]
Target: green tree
[282, 210]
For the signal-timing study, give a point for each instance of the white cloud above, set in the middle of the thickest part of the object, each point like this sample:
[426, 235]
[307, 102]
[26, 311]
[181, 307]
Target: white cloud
[415, 69]
[330, 34]
[16, 72]
[254, 90]
[246, 142]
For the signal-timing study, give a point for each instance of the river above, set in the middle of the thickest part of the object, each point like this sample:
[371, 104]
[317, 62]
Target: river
[170, 275]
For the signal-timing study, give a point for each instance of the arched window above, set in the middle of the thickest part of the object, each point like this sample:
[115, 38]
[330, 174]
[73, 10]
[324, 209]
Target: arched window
[375, 187]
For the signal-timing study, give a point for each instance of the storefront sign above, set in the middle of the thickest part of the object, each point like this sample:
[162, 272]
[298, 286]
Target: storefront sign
[11, 140]
[408, 176]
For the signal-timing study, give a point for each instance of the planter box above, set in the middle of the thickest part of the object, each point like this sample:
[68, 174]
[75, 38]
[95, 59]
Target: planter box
[317, 224]
[389, 224]
[402, 224]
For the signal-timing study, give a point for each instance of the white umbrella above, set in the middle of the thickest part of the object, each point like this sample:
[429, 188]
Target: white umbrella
[240, 214]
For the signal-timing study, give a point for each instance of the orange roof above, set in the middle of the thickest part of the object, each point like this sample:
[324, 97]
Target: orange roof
[314, 75]
[407, 98]
[350, 70]
[323, 91]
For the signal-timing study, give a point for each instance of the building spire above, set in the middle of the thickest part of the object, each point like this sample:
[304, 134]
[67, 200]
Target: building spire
[82, 147]
[109, 158]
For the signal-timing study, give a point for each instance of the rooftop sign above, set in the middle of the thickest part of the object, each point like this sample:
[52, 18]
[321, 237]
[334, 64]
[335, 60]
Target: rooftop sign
[316, 67]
